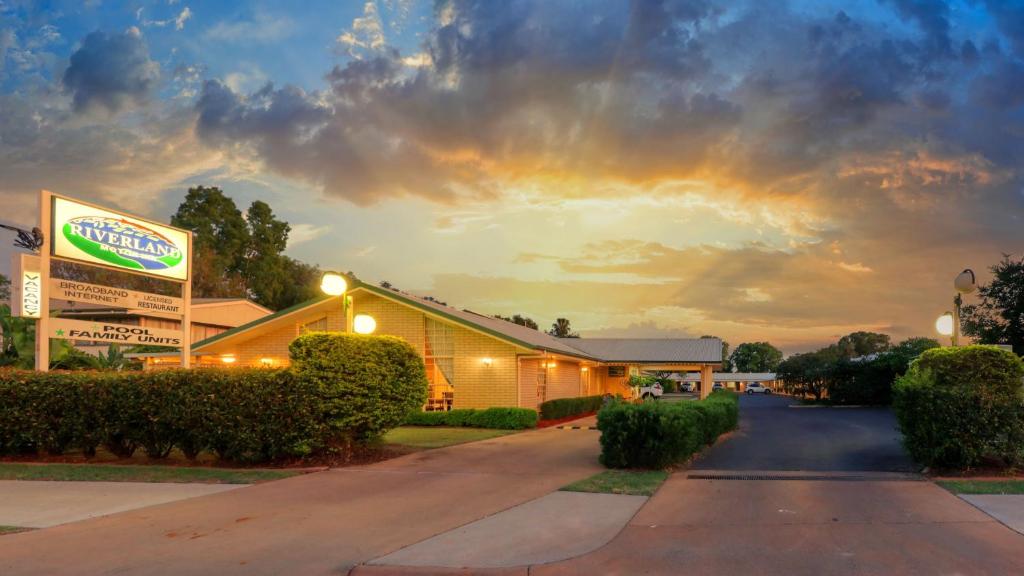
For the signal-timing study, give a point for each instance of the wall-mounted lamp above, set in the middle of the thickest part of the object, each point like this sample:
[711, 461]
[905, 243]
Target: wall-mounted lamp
[228, 359]
[364, 324]
[584, 369]
[488, 361]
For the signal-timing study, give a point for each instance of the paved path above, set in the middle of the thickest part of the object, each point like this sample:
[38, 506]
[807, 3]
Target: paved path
[322, 523]
[43, 504]
[786, 526]
[1007, 508]
[773, 436]
[554, 527]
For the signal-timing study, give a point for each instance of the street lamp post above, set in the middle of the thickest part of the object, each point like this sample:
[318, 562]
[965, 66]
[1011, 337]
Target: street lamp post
[964, 284]
[334, 284]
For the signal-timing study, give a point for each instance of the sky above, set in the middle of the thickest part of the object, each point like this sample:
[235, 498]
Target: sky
[788, 171]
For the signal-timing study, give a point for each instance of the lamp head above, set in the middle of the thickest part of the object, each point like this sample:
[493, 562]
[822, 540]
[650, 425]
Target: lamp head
[364, 324]
[965, 282]
[944, 325]
[333, 284]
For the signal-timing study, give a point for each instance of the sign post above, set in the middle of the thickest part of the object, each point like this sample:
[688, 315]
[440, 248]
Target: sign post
[91, 235]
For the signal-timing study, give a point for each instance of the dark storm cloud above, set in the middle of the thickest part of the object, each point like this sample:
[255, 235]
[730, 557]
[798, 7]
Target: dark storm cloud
[111, 71]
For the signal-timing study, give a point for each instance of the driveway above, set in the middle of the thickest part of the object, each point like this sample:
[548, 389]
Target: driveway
[833, 497]
[773, 436]
[322, 523]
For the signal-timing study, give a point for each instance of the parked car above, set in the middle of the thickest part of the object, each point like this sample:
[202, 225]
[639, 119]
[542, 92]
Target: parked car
[688, 387]
[717, 386]
[652, 392]
[758, 388]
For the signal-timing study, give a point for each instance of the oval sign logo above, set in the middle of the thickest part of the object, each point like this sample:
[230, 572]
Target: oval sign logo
[121, 243]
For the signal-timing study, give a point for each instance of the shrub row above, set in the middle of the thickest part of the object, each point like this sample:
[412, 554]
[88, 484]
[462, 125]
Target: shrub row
[960, 407]
[565, 407]
[657, 434]
[497, 418]
[244, 415]
[340, 388]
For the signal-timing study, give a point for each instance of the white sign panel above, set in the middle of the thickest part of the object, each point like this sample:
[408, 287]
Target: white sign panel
[140, 302]
[113, 333]
[27, 293]
[94, 235]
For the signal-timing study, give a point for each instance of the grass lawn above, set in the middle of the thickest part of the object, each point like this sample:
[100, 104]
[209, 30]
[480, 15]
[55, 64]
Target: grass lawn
[983, 486]
[118, 473]
[633, 482]
[439, 436]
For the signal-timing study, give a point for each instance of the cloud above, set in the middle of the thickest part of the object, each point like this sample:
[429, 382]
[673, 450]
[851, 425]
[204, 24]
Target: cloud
[262, 28]
[303, 233]
[366, 33]
[110, 71]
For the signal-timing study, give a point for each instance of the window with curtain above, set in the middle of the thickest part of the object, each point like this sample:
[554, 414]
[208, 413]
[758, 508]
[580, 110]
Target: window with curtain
[439, 357]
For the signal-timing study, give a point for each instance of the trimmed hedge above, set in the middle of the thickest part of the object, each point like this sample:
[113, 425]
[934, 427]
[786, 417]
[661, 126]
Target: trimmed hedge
[658, 434]
[244, 415]
[368, 384]
[565, 407]
[340, 388]
[497, 418]
[959, 406]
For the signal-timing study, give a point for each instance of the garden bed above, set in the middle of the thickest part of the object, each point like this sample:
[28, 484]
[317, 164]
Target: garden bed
[563, 420]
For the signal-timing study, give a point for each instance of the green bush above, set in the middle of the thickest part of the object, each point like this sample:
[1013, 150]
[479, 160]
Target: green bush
[565, 407]
[959, 406]
[367, 384]
[245, 415]
[657, 434]
[497, 418]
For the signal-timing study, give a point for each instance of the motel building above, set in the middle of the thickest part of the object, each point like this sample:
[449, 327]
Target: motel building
[472, 360]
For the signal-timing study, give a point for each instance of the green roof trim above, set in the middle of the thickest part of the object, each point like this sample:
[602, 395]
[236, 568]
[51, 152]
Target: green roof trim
[259, 321]
[412, 301]
[394, 295]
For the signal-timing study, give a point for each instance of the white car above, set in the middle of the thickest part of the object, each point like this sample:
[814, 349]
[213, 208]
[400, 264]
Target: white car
[758, 388]
[688, 387]
[652, 392]
[717, 386]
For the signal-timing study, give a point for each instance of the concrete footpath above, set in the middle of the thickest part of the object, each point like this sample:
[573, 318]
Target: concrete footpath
[320, 523]
[42, 504]
[554, 527]
[1007, 508]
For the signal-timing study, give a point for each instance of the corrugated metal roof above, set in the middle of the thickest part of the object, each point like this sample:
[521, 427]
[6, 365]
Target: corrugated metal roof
[651, 350]
[733, 377]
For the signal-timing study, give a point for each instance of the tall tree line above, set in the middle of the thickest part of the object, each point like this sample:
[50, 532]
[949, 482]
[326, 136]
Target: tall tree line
[242, 255]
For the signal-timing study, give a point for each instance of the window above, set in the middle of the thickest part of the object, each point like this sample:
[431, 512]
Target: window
[439, 358]
[616, 371]
[318, 325]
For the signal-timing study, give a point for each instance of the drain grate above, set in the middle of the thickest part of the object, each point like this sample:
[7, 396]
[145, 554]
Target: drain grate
[819, 477]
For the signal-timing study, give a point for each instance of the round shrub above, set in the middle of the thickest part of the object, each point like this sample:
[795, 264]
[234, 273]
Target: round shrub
[367, 384]
[959, 406]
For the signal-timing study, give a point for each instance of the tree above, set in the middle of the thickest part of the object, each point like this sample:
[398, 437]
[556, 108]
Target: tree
[998, 318]
[219, 241]
[726, 365]
[756, 357]
[237, 256]
[862, 344]
[808, 374]
[5, 289]
[913, 347]
[519, 319]
[562, 329]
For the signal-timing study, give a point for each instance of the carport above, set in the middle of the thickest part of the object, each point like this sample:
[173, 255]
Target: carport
[736, 380]
[624, 357]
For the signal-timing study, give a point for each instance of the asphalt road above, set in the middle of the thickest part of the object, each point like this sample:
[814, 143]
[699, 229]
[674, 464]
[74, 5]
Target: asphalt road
[773, 436]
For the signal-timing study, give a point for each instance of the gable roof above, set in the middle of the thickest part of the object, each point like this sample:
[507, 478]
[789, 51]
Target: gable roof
[502, 329]
[651, 350]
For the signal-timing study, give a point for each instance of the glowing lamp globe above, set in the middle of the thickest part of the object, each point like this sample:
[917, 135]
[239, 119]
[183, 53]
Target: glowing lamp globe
[364, 324]
[944, 325]
[964, 282]
[333, 284]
